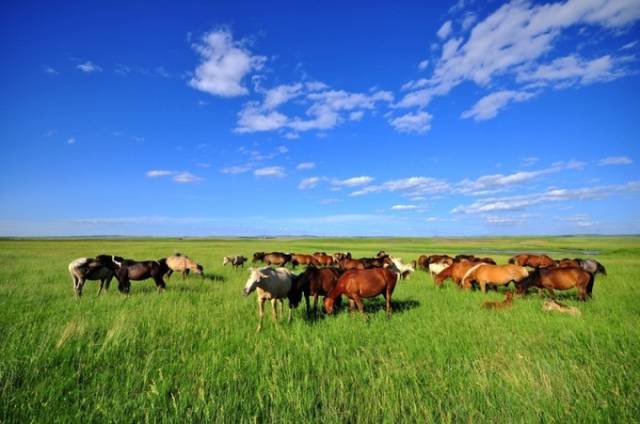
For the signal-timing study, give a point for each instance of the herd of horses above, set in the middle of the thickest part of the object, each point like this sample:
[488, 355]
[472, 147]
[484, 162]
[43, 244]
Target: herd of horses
[337, 275]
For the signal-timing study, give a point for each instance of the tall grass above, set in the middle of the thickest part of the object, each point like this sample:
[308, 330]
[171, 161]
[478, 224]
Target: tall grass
[192, 354]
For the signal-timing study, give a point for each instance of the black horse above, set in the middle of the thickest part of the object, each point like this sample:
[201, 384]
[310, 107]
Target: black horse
[129, 270]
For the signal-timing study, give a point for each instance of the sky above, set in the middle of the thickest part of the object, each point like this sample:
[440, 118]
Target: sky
[460, 118]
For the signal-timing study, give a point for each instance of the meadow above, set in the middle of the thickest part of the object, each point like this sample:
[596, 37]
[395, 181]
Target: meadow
[192, 353]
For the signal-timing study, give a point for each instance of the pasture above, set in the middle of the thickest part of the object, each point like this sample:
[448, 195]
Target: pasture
[192, 353]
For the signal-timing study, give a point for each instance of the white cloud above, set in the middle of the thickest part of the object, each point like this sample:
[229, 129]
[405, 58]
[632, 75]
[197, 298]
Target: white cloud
[159, 173]
[356, 116]
[629, 45]
[445, 30]
[185, 177]
[529, 161]
[305, 166]
[403, 207]
[49, 70]
[269, 171]
[412, 186]
[615, 160]
[71, 140]
[236, 169]
[571, 69]
[353, 181]
[489, 106]
[225, 63]
[423, 65]
[418, 122]
[283, 149]
[329, 201]
[89, 67]
[308, 183]
[510, 203]
[281, 94]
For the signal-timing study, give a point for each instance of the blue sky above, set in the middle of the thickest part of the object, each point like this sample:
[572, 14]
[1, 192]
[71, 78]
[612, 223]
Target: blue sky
[196, 118]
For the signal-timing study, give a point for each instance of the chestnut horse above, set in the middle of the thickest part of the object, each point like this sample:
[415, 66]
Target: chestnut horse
[347, 264]
[273, 258]
[560, 279]
[313, 281]
[324, 259]
[455, 271]
[300, 259]
[358, 284]
[533, 261]
[497, 275]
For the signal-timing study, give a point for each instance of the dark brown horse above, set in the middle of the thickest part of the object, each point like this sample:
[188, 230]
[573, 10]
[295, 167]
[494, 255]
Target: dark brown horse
[590, 265]
[423, 262]
[359, 284]
[338, 256]
[276, 258]
[258, 256]
[129, 270]
[559, 279]
[315, 282]
[348, 264]
[532, 261]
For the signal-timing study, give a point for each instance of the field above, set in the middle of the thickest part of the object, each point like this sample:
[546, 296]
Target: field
[192, 354]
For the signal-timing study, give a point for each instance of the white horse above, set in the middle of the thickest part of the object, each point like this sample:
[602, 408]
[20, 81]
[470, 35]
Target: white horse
[437, 267]
[401, 269]
[270, 284]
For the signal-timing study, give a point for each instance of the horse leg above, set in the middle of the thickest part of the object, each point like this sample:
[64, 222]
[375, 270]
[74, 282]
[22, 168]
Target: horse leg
[290, 315]
[75, 285]
[387, 297]
[160, 284]
[101, 286]
[260, 313]
[483, 286]
[79, 286]
[315, 305]
[169, 273]
[582, 293]
[274, 315]
[590, 286]
[281, 303]
[551, 293]
[359, 303]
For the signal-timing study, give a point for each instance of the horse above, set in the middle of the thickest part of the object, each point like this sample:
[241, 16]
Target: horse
[300, 259]
[559, 279]
[129, 270]
[276, 258]
[348, 264]
[338, 256]
[533, 261]
[375, 262]
[319, 253]
[423, 262]
[456, 271]
[313, 281]
[98, 268]
[551, 305]
[399, 268]
[497, 275]
[590, 265]
[270, 284]
[463, 257]
[324, 259]
[258, 256]
[183, 264]
[358, 284]
[235, 261]
[506, 303]
[382, 254]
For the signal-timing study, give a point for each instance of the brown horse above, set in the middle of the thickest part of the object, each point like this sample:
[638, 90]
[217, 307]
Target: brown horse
[423, 262]
[300, 259]
[533, 261]
[129, 270]
[347, 264]
[338, 256]
[560, 279]
[276, 258]
[183, 264]
[324, 259]
[589, 265]
[359, 284]
[455, 271]
[506, 303]
[497, 275]
[316, 282]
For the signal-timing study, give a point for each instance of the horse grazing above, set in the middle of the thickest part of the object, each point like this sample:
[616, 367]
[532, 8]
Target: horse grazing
[464, 258]
[183, 264]
[235, 261]
[129, 270]
[551, 305]
[496, 275]
[300, 259]
[270, 284]
[456, 271]
[324, 259]
[533, 261]
[590, 265]
[99, 268]
[506, 303]
[403, 270]
[559, 279]
[274, 258]
[315, 282]
[358, 284]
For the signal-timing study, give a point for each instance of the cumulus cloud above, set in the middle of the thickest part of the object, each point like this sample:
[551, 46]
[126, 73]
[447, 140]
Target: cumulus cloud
[615, 160]
[89, 67]
[269, 171]
[418, 122]
[489, 106]
[236, 169]
[224, 64]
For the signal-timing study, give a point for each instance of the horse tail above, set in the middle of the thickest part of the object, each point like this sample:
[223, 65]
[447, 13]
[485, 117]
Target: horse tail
[469, 272]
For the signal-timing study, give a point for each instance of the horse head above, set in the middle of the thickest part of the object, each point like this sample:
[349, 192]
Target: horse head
[531, 280]
[255, 276]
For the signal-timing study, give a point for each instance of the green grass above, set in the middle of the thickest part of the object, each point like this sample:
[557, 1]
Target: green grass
[191, 353]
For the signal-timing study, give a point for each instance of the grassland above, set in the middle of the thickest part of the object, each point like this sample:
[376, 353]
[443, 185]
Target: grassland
[191, 353]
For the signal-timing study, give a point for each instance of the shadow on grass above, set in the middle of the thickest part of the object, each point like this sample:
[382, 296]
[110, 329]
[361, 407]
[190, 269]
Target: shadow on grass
[210, 276]
[371, 306]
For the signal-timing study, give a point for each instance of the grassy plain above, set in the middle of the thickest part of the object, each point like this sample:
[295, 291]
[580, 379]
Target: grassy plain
[191, 353]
